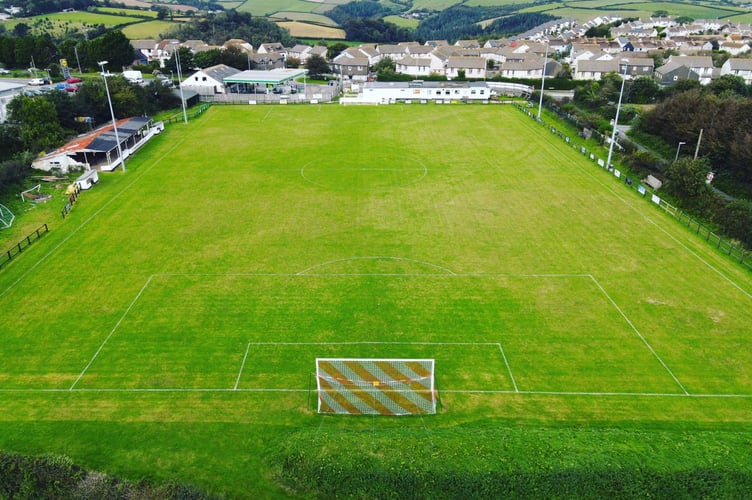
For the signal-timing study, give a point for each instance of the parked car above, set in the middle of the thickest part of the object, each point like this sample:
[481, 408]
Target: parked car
[73, 80]
[4, 71]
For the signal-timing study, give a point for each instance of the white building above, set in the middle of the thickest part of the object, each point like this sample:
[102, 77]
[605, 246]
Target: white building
[8, 91]
[419, 91]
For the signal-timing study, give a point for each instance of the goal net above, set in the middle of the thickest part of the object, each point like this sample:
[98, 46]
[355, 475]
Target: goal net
[6, 217]
[376, 386]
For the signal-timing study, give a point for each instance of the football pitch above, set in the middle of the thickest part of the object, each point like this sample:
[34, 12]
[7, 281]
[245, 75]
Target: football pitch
[168, 328]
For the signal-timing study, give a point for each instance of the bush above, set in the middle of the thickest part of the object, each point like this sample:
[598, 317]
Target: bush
[735, 220]
[55, 476]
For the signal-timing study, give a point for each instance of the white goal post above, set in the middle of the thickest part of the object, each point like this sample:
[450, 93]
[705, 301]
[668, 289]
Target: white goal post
[351, 386]
[6, 217]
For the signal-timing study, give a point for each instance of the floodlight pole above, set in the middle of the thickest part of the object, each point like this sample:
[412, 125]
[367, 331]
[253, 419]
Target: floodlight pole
[180, 83]
[112, 113]
[616, 118]
[543, 82]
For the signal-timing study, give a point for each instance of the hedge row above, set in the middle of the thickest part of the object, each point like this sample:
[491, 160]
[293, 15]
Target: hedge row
[58, 477]
[499, 464]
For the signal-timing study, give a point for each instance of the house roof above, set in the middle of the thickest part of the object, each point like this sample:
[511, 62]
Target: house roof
[597, 66]
[739, 64]
[102, 139]
[414, 61]
[220, 72]
[466, 62]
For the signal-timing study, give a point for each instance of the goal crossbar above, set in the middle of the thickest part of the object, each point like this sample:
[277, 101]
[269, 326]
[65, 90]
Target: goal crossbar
[354, 386]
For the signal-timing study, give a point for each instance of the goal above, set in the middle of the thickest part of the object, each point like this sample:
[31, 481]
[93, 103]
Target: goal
[351, 386]
[6, 217]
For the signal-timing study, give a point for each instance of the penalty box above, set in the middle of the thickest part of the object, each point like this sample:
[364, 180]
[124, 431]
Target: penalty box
[486, 332]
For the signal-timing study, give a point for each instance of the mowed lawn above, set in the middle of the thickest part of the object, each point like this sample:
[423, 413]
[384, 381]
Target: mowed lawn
[168, 327]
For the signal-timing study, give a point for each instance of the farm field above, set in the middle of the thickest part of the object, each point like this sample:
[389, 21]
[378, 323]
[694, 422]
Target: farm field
[168, 328]
[148, 29]
[61, 22]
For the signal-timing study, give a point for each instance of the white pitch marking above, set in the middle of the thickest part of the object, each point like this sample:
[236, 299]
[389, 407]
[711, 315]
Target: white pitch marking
[448, 391]
[644, 340]
[91, 217]
[377, 257]
[133, 302]
[632, 207]
[242, 365]
[509, 369]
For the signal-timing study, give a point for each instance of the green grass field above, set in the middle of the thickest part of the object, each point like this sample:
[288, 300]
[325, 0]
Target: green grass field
[167, 329]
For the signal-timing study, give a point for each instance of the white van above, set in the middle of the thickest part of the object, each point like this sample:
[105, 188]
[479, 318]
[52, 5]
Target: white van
[38, 81]
[134, 77]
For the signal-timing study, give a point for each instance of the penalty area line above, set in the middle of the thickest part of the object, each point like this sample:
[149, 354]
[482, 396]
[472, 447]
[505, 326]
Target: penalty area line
[242, 365]
[114, 328]
[644, 340]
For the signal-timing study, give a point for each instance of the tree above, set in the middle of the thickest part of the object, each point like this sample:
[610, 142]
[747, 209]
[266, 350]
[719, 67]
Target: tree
[735, 219]
[207, 58]
[186, 61]
[335, 49]
[643, 90]
[39, 129]
[317, 66]
[385, 64]
[687, 179]
[232, 56]
[114, 47]
[292, 62]
[729, 85]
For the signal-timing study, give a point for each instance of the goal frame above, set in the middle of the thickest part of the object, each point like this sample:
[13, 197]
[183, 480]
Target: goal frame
[376, 386]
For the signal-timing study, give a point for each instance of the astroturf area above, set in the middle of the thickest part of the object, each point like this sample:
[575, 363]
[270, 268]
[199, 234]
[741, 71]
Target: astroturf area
[168, 328]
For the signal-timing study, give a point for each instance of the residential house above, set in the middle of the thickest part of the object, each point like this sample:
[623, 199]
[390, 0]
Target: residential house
[300, 52]
[594, 70]
[239, 44]
[733, 47]
[637, 67]
[700, 65]
[352, 63]
[736, 67]
[530, 67]
[471, 67]
[146, 50]
[268, 48]
[415, 66]
[394, 52]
